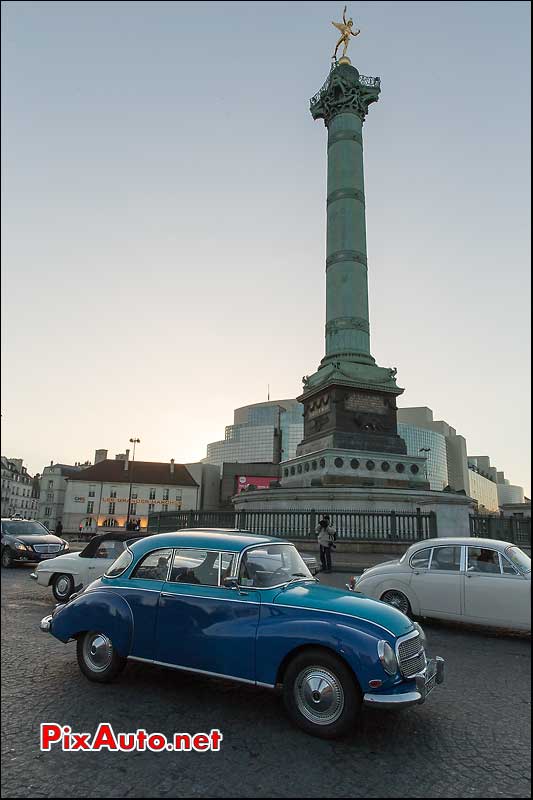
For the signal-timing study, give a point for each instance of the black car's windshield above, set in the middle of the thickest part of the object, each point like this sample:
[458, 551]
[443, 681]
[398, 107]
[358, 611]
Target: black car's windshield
[23, 528]
[272, 565]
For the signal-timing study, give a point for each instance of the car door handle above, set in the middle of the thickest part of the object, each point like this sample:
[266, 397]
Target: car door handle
[416, 572]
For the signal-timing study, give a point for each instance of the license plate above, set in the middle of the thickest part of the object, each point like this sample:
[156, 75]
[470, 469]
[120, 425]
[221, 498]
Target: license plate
[47, 555]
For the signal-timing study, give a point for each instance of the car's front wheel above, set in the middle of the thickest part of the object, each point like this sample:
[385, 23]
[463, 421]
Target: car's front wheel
[62, 587]
[397, 599]
[97, 658]
[321, 694]
[7, 558]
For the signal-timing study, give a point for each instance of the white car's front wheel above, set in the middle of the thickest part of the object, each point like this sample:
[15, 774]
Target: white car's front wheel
[62, 587]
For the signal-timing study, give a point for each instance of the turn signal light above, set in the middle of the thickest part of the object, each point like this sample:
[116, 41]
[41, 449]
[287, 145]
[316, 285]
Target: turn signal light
[375, 684]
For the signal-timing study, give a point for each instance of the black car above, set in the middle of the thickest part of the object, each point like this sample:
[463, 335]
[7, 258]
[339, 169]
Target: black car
[29, 541]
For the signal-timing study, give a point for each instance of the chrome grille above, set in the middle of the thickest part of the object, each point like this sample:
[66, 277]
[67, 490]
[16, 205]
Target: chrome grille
[411, 656]
[47, 548]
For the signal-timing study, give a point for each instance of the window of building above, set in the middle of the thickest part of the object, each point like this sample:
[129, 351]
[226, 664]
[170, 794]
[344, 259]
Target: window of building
[47, 511]
[111, 509]
[151, 507]
[92, 491]
[113, 492]
[151, 496]
[134, 495]
[110, 523]
[133, 508]
[165, 494]
[50, 496]
[90, 507]
[50, 484]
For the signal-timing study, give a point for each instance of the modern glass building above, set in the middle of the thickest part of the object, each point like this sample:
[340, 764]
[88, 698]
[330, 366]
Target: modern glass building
[433, 447]
[261, 433]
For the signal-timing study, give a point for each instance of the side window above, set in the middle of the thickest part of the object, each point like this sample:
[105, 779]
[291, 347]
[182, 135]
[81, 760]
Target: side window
[229, 562]
[109, 548]
[506, 566]
[420, 560]
[446, 558]
[483, 560]
[195, 566]
[154, 566]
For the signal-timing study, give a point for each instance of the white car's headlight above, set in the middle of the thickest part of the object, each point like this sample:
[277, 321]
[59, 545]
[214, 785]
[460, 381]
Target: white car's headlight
[387, 657]
[423, 637]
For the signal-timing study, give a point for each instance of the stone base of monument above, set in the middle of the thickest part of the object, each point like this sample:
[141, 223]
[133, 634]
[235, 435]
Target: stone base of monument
[452, 510]
[335, 466]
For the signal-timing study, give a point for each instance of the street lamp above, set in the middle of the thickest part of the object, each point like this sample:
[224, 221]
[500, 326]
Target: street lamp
[134, 442]
[425, 450]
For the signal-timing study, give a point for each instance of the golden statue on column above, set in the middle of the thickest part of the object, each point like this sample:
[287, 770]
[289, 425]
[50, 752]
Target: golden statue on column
[345, 27]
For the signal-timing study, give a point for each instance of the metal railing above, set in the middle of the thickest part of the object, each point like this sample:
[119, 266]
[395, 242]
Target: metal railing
[508, 529]
[387, 526]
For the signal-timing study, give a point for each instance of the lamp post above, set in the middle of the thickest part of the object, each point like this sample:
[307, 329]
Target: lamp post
[134, 441]
[425, 450]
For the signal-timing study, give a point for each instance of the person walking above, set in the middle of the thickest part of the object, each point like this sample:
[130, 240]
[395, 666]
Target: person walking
[59, 528]
[326, 540]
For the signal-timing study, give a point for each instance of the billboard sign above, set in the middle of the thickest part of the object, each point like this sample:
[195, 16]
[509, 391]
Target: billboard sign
[244, 481]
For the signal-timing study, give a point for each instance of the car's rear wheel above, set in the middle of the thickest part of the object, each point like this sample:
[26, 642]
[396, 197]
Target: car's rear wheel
[7, 558]
[62, 587]
[97, 658]
[398, 600]
[321, 694]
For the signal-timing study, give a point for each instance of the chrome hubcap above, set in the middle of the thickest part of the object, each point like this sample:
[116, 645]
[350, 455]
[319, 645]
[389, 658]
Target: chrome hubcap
[62, 585]
[319, 695]
[97, 652]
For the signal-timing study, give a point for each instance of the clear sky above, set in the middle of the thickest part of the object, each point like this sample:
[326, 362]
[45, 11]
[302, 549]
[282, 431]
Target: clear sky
[164, 217]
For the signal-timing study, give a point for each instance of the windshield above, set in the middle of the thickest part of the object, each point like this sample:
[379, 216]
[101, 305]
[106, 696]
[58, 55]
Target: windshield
[21, 528]
[120, 564]
[272, 565]
[518, 558]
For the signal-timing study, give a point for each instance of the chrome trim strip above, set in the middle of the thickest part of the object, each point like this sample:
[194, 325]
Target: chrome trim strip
[327, 611]
[200, 671]
[206, 597]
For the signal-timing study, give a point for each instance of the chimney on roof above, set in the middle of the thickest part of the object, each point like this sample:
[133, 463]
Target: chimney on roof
[100, 455]
[51, 463]
[126, 460]
[172, 466]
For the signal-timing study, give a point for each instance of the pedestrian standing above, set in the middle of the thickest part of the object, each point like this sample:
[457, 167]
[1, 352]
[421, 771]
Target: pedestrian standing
[326, 540]
[59, 528]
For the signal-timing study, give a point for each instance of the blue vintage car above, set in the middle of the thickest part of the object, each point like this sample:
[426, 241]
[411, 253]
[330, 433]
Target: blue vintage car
[245, 607]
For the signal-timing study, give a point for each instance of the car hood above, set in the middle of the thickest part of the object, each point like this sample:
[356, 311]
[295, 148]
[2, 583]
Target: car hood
[327, 599]
[37, 538]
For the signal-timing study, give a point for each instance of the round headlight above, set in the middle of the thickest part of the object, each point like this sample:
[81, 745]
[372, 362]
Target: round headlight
[387, 657]
[423, 637]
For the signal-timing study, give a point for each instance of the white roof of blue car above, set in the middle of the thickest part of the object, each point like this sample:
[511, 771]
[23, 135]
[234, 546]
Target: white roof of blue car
[232, 541]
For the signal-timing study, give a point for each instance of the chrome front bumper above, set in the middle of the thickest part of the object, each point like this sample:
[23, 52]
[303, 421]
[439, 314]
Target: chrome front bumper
[46, 623]
[425, 682]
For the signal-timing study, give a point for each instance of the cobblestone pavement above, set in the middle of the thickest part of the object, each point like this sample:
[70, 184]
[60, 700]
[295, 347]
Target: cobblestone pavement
[470, 739]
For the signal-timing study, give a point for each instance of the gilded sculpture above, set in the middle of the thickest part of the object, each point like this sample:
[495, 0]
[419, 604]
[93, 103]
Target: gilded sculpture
[345, 27]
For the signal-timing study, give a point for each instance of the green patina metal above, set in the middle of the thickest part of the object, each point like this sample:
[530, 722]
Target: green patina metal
[343, 104]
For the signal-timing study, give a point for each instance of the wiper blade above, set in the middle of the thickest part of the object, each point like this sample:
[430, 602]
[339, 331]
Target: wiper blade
[298, 576]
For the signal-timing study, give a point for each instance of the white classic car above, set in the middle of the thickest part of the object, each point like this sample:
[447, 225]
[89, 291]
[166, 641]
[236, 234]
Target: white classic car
[480, 581]
[70, 573]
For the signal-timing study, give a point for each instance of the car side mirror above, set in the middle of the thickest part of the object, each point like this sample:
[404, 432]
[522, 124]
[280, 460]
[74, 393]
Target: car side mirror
[231, 583]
